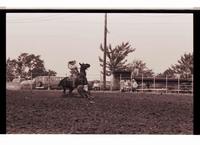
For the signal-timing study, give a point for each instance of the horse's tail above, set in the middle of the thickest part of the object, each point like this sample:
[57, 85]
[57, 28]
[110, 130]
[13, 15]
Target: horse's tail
[60, 83]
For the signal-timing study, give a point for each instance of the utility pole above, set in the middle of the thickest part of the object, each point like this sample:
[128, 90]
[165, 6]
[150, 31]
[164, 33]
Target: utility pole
[105, 45]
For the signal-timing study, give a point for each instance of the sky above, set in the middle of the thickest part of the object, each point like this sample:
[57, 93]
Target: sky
[159, 39]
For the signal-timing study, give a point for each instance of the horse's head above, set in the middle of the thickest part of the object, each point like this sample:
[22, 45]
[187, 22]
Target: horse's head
[84, 66]
[82, 76]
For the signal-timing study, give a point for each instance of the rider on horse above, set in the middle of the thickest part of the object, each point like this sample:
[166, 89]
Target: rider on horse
[77, 79]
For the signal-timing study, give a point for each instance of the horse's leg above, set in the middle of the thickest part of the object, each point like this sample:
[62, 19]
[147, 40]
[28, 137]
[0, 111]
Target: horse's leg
[89, 97]
[70, 90]
[64, 90]
[86, 94]
[80, 91]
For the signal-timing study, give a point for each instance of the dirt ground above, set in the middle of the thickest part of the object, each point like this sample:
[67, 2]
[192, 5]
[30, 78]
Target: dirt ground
[112, 113]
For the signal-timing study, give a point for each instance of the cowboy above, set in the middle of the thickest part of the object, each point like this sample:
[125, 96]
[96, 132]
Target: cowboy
[73, 70]
[122, 82]
[134, 85]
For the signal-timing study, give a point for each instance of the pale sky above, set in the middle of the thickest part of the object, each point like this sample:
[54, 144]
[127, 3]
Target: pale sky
[159, 39]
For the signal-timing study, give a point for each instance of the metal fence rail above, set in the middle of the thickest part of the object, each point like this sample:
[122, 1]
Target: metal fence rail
[145, 84]
[165, 85]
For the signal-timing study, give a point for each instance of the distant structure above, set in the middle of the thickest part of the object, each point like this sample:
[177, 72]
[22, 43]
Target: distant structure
[117, 76]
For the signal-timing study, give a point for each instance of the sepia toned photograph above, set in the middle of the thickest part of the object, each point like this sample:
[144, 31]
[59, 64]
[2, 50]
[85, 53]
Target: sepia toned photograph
[99, 73]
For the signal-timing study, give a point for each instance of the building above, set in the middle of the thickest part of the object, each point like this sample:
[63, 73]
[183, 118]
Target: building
[151, 82]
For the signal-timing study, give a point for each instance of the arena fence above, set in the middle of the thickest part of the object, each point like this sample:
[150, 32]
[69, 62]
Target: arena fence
[42, 81]
[145, 84]
[159, 84]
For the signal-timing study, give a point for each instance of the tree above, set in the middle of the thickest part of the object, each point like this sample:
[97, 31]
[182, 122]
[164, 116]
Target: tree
[10, 69]
[51, 73]
[116, 57]
[30, 63]
[184, 67]
[26, 65]
[169, 73]
[139, 68]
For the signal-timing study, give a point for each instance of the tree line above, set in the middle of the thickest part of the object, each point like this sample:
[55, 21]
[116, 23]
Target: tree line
[26, 66]
[116, 61]
[30, 65]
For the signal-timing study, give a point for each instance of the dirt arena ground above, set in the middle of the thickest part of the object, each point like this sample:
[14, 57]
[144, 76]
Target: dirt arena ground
[112, 113]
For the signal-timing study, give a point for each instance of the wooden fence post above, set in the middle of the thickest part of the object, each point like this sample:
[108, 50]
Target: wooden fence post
[142, 84]
[154, 83]
[120, 78]
[31, 81]
[192, 84]
[178, 84]
[49, 80]
[166, 84]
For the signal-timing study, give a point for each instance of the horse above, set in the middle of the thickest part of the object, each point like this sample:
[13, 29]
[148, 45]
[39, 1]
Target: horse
[80, 81]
